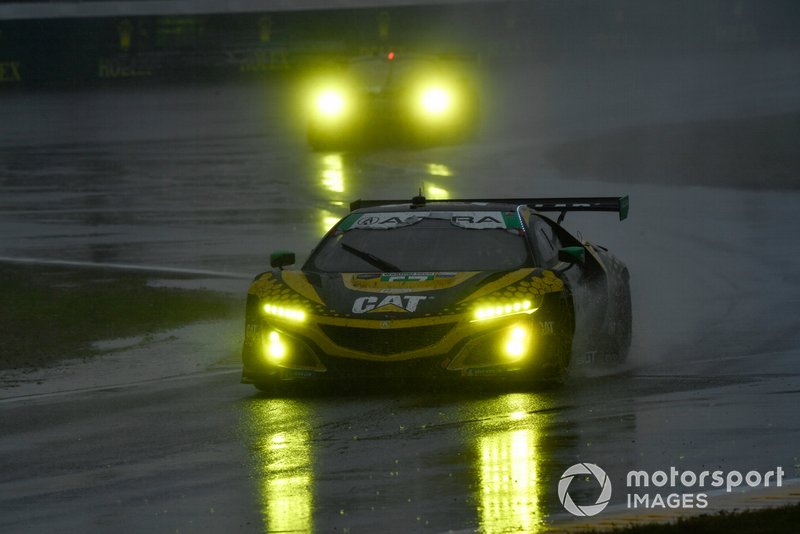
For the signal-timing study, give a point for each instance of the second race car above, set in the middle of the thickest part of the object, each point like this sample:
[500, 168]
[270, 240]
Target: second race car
[440, 289]
[405, 98]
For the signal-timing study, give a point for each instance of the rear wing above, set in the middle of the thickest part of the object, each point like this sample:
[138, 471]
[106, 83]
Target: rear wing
[557, 204]
[563, 205]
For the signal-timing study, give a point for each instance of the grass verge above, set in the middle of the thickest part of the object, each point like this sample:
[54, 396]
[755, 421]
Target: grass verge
[780, 520]
[55, 313]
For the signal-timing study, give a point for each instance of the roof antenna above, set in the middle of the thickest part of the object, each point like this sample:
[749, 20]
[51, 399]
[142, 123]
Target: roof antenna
[418, 200]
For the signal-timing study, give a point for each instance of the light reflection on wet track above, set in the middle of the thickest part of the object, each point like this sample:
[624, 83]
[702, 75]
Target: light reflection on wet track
[492, 447]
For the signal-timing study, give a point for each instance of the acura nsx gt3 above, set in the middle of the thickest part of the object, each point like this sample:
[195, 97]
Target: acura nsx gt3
[457, 288]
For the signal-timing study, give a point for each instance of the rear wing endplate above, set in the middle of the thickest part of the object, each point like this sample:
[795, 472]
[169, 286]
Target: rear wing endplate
[557, 204]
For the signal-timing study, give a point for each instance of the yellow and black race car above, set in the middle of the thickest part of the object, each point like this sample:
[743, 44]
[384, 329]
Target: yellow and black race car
[391, 98]
[441, 288]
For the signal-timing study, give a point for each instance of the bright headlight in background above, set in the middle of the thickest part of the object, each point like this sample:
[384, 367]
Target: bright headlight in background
[437, 193]
[436, 101]
[439, 169]
[330, 103]
[328, 223]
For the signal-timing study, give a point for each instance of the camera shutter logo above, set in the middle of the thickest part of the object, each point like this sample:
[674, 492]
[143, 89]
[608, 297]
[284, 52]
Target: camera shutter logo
[584, 469]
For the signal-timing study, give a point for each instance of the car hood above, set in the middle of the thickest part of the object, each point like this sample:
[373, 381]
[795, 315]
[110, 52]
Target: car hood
[399, 295]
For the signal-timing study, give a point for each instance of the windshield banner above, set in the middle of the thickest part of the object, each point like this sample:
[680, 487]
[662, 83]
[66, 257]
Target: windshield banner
[384, 221]
[471, 220]
[478, 220]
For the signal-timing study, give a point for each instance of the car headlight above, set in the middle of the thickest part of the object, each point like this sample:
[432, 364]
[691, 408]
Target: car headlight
[436, 101]
[517, 341]
[487, 311]
[292, 314]
[287, 351]
[274, 346]
[331, 103]
[510, 344]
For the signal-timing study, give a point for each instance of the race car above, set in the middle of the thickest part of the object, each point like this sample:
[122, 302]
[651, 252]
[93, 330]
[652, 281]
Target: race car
[391, 98]
[441, 289]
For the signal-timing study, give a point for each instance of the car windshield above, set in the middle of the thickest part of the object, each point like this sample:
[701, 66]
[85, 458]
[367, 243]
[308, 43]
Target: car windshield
[431, 243]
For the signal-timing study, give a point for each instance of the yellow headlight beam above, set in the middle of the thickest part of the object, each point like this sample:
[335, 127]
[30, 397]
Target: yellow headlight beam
[436, 101]
[484, 313]
[517, 342]
[292, 314]
[275, 347]
[331, 103]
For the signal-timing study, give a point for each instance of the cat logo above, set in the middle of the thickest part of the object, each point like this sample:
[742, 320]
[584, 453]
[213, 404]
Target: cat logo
[389, 304]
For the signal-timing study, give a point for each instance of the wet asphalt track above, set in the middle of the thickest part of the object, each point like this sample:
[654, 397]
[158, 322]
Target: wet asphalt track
[213, 177]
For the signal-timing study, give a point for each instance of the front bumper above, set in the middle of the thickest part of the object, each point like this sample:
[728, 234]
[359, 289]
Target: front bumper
[415, 348]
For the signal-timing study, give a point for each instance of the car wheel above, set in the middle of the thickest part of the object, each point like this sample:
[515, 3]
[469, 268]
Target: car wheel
[560, 349]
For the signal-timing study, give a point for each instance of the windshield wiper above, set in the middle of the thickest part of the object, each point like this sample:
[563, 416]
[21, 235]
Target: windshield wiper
[373, 260]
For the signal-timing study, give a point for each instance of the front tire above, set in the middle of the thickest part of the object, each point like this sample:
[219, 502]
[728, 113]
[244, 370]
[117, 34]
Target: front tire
[623, 327]
[559, 349]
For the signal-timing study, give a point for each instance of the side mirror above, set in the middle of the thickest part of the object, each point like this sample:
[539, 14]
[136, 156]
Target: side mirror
[572, 255]
[281, 258]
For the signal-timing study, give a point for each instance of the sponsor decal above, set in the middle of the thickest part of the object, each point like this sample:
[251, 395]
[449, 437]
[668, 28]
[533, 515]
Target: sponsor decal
[472, 220]
[415, 277]
[411, 277]
[388, 304]
[478, 220]
[117, 68]
[389, 220]
[404, 282]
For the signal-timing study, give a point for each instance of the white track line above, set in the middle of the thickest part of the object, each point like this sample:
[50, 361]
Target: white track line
[216, 371]
[125, 267]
